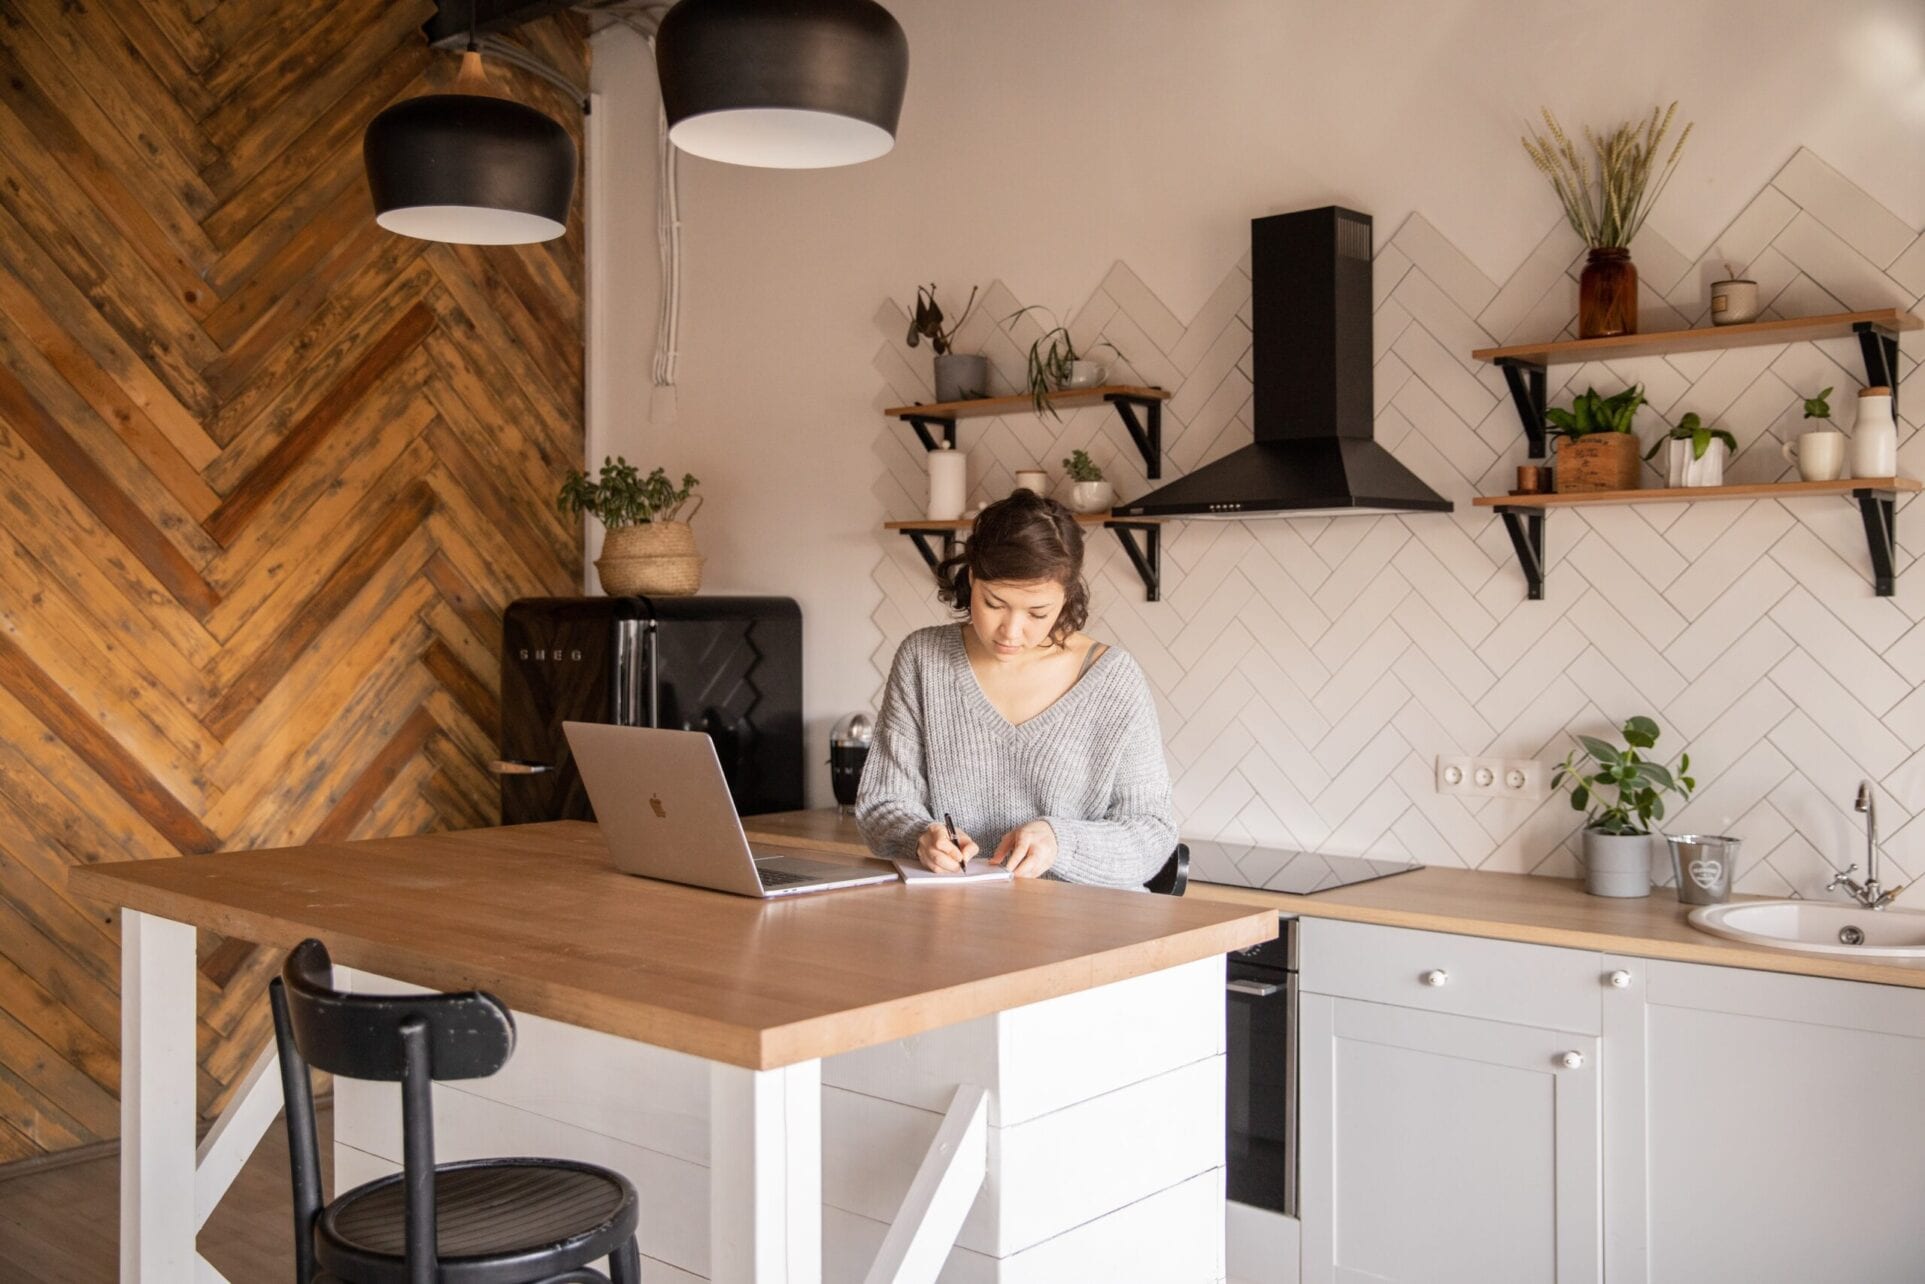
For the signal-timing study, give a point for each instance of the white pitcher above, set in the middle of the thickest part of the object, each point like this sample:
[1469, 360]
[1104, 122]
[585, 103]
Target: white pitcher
[1874, 435]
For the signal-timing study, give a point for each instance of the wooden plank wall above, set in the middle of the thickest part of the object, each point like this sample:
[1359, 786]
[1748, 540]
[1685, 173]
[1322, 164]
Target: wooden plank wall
[268, 475]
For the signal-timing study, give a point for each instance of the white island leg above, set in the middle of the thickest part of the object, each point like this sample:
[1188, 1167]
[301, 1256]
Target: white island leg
[765, 1174]
[157, 1108]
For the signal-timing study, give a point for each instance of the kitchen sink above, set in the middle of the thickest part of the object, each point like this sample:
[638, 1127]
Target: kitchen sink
[1817, 927]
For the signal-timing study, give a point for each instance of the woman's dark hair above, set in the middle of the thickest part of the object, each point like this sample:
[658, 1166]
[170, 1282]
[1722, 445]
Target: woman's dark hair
[1022, 539]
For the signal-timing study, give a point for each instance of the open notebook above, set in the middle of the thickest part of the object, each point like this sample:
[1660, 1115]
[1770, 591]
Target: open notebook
[978, 870]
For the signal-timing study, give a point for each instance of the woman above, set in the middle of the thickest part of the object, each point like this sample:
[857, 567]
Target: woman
[1040, 742]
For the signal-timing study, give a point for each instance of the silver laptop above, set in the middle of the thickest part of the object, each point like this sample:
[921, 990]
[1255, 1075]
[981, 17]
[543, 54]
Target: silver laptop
[665, 810]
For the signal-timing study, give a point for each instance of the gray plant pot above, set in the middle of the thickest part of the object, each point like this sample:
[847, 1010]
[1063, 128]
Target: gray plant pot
[1617, 864]
[961, 377]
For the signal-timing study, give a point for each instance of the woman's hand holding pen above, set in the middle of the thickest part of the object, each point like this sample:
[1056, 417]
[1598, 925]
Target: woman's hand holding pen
[937, 852]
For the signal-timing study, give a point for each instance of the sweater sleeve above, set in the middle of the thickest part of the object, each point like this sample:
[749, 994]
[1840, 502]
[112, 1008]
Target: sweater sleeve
[892, 803]
[1134, 838]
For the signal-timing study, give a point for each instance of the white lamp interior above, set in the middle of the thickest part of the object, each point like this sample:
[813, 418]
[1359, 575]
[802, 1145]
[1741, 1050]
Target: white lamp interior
[781, 138]
[470, 225]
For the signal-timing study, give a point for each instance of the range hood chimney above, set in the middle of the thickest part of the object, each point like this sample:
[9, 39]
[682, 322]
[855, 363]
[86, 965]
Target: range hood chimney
[1313, 402]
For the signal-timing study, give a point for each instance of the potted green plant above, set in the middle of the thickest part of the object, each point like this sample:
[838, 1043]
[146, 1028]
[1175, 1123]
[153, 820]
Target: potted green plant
[960, 376]
[1597, 448]
[1606, 199]
[650, 547]
[1819, 451]
[1088, 492]
[1696, 454]
[1055, 364]
[1622, 795]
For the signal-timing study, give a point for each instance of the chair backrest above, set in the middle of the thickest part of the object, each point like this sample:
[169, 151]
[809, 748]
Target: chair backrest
[1174, 877]
[410, 1038]
[470, 1034]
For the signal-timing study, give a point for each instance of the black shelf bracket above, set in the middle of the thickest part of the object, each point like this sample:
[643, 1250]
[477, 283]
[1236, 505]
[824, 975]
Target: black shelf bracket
[1879, 347]
[924, 545]
[1147, 433]
[923, 423]
[1879, 508]
[1148, 558]
[1527, 383]
[1526, 529]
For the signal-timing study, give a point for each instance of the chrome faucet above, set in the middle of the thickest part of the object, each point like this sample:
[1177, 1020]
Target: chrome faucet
[1868, 893]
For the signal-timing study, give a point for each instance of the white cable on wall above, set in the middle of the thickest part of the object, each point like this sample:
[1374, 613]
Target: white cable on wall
[668, 235]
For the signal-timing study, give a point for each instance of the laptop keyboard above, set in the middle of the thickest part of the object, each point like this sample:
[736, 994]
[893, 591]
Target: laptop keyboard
[781, 878]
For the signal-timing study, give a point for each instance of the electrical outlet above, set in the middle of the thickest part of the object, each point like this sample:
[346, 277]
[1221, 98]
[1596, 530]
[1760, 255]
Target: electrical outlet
[1490, 777]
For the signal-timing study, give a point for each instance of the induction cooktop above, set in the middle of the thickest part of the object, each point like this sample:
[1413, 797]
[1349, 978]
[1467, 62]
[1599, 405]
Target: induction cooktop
[1279, 870]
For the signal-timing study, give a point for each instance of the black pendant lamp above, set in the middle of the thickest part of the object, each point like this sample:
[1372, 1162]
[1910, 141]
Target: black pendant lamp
[469, 168]
[785, 84]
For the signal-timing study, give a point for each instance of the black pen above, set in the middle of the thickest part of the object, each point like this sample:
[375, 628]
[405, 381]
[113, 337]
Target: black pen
[954, 841]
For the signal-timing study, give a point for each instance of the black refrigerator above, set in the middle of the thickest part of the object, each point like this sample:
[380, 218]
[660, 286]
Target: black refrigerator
[730, 666]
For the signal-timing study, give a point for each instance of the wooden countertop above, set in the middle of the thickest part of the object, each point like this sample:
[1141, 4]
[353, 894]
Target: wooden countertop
[537, 915]
[1511, 907]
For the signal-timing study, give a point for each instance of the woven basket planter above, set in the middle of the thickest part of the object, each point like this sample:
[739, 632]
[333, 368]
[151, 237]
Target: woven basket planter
[657, 559]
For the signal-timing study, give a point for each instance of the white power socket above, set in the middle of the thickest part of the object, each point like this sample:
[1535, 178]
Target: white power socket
[1490, 777]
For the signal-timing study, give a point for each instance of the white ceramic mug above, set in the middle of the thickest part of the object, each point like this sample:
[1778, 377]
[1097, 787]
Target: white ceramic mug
[1819, 455]
[1032, 479]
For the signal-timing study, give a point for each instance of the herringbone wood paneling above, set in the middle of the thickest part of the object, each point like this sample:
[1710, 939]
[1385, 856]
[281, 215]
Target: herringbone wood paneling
[1308, 671]
[270, 475]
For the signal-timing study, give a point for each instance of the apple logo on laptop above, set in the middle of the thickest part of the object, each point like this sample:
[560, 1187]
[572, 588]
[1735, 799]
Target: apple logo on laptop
[655, 803]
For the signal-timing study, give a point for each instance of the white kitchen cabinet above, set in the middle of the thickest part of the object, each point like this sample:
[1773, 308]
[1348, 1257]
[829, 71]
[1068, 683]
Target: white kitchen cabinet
[1762, 1127]
[1439, 1143]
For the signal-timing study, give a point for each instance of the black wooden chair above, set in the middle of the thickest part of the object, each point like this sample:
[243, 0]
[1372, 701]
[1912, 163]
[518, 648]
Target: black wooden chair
[1175, 874]
[485, 1221]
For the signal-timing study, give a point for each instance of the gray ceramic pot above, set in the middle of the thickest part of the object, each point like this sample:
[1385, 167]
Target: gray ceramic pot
[1617, 864]
[961, 377]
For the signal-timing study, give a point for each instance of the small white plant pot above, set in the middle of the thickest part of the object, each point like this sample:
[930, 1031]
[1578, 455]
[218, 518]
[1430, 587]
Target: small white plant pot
[1084, 374]
[1617, 864]
[1686, 471]
[1090, 497]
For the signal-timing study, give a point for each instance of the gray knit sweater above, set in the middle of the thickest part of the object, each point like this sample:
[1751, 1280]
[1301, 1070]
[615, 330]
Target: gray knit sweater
[1091, 764]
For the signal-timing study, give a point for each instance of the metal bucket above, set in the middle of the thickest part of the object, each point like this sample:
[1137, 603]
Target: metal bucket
[1705, 865]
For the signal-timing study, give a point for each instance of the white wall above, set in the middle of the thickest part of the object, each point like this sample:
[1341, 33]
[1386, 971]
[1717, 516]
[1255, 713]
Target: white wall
[1042, 143]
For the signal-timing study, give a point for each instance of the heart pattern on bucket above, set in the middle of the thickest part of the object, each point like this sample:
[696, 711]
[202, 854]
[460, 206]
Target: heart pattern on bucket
[1705, 873]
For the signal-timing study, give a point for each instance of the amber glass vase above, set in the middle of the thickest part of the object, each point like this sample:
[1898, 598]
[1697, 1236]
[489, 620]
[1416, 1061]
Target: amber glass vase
[1607, 295]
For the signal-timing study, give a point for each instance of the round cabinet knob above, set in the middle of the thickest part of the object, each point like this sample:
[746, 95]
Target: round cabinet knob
[1434, 977]
[1619, 979]
[1570, 1060]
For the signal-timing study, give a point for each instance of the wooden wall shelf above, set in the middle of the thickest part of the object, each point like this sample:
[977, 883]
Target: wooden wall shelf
[1837, 325]
[1146, 557]
[1877, 505]
[1140, 409]
[1524, 364]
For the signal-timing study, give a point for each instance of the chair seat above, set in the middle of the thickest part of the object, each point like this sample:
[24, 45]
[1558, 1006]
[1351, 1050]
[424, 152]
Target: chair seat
[496, 1220]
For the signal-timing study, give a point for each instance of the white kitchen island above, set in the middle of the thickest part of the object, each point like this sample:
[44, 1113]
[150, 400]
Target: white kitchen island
[1007, 1082]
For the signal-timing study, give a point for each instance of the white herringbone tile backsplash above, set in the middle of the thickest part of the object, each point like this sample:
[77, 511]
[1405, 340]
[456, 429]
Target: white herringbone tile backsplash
[1308, 671]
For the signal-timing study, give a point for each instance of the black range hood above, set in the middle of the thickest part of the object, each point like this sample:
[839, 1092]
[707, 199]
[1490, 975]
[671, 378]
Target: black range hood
[1312, 398]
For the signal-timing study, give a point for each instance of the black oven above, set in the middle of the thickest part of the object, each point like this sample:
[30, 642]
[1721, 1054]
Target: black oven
[1261, 1102]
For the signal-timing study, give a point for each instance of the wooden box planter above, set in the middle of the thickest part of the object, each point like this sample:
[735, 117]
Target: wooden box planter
[1597, 461]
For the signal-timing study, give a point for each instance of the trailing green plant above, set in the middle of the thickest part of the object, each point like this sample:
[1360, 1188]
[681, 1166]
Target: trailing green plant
[1619, 790]
[1818, 407]
[1607, 198]
[928, 320]
[1050, 359]
[622, 496]
[1591, 413]
[1081, 468]
[1692, 429]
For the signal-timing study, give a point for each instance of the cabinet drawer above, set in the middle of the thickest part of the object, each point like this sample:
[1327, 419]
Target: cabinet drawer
[1537, 985]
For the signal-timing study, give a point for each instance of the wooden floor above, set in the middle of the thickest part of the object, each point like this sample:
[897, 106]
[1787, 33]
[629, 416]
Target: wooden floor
[63, 1226]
